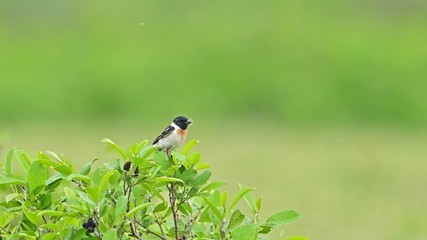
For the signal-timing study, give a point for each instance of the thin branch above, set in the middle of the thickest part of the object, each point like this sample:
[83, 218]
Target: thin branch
[127, 190]
[128, 203]
[151, 232]
[98, 231]
[160, 224]
[78, 183]
[221, 230]
[156, 218]
[4, 230]
[191, 220]
[172, 200]
[134, 233]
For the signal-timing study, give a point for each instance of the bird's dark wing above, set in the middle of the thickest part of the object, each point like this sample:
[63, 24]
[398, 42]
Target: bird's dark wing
[165, 133]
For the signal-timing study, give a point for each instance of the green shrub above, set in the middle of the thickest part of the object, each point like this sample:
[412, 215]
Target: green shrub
[143, 195]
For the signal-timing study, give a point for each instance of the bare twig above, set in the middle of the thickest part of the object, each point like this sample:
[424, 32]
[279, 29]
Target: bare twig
[221, 230]
[4, 230]
[127, 191]
[133, 230]
[98, 231]
[159, 224]
[151, 232]
[172, 199]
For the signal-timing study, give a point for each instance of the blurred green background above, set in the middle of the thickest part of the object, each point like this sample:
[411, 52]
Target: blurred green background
[321, 104]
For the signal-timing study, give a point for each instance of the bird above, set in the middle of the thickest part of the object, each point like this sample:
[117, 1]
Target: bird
[173, 135]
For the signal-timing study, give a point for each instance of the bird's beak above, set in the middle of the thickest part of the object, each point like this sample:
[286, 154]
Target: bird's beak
[189, 121]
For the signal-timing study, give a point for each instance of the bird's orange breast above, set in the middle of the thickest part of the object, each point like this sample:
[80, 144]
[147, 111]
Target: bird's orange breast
[182, 133]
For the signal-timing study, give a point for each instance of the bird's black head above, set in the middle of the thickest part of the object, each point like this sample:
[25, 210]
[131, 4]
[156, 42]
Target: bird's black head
[182, 122]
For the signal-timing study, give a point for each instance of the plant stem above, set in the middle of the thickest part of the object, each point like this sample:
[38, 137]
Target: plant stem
[160, 225]
[222, 231]
[127, 191]
[151, 232]
[172, 199]
[128, 203]
[98, 231]
[4, 230]
[133, 229]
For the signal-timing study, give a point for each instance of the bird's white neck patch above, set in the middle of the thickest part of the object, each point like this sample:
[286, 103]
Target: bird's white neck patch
[175, 126]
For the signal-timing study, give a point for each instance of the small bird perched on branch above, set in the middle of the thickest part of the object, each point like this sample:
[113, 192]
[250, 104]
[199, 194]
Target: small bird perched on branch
[173, 135]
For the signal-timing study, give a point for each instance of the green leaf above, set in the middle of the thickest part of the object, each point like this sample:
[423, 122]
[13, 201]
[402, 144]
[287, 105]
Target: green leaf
[178, 158]
[259, 203]
[111, 165]
[224, 199]
[121, 206]
[249, 198]
[142, 144]
[186, 209]
[52, 226]
[168, 179]
[237, 197]
[160, 207]
[6, 218]
[202, 166]
[137, 208]
[189, 146]
[69, 193]
[45, 201]
[45, 159]
[162, 160]
[63, 169]
[27, 236]
[78, 177]
[103, 185]
[216, 198]
[188, 175]
[236, 219]
[80, 234]
[212, 185]
[54, 178]
[283, 217]
[138, 191]
[264, 229]
[55, 156]
[50, 236]
[12, 196]
[200, 179]
[136, 148]
[245, 232]
[152, 189]
[105, 207]
[115, 147]
[10, 180]
[51, 213]
[214, 209]
[9, 158]
[33, 217]
[70, 235]
[54, 181]
[37, 176]
[114, 179]
[86, 168]
[23, 160]
[111, 234]
[86, 198]
[141, 163]
[193, 159]
[93, 193]
[147, 151]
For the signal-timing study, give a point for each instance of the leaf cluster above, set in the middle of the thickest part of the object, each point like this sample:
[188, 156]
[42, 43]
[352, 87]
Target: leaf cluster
[144, 194]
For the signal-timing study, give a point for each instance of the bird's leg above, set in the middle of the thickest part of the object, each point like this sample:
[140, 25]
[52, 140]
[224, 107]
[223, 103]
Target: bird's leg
[168, 152]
